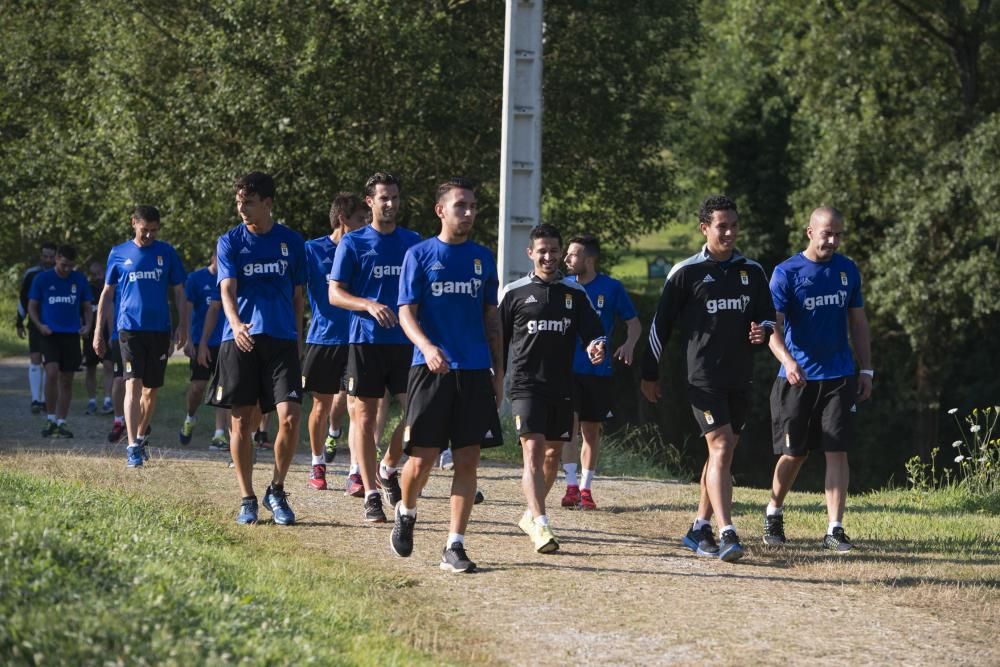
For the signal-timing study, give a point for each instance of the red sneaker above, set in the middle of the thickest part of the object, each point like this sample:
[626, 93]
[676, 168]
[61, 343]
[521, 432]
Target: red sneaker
[118, 433]
[317, 479]
[354, 487]
[587, 500]
[572, 497]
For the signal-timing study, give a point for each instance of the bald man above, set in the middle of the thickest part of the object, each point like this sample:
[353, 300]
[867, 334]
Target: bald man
[817, 296]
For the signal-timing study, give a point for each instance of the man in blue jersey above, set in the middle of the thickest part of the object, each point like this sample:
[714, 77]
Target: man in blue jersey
[143, 270]
[36, 371]
[365, 279]
[203, 303]
[448, 308]
[262, 270]
[56, 299]
[593, 390]
[325, 360]
[817, 296]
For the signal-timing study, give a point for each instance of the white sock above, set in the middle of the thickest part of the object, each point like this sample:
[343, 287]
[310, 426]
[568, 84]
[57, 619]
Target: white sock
[189, 419]
[355, 469]
[318, 460]
[386, 471]
[333, 432]
[454, 537]
[542, 520]
[373, 492]
[119, 420]
[570, 469]
[700, 523]
[107, 399]
[35, 381]
[833, 524]
[406, 511]
[52, 418]
[587, 480]
[220, 433]
[772, 510]
[60, 422]
[725, 528]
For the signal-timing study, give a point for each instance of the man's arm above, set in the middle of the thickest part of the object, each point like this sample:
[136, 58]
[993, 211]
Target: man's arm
[494, 338]
[88, 317]
[22, 304]
[340, 296]
[776, 343]
[299, 306]
[211, 318]
[589, 328]
[241, 331]
[181, 334]
[103, 315]
[667, 309]
[34, 312]
[436, 360]
[626, 352]
[857, 322]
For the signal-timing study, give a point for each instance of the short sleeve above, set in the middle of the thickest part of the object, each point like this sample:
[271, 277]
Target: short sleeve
[624, 307]
[856, 300]
[492, 283]
[177, 273]
[299, 273]
[412, 280]
[111, 273]
[224, 257]
[85, 290]
[35, 292]
[344, 262]
[779, 289]
[189, 289]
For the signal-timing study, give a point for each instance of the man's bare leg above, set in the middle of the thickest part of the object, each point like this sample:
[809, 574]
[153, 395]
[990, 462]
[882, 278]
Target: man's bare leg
[243, 421]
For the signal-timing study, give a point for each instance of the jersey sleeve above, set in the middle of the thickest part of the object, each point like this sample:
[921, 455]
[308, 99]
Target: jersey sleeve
[35, 290]
[345, 263]
[412, 281]
[672, 300]
[111, 273]
[589, 327]
[764, 313]
[491, 283]
[24, 295]
[624, 307]
[189, 289]
[855, 299]
[177, 272]
[779, 290]
[299, 273]
[506, 310]
[226, 260]
[85, 291]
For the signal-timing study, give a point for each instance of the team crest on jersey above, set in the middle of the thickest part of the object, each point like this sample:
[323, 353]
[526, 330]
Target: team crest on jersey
[159, 260]
[744, 278]
[72, 288]
[709, 419]
[843, 278]
[569, 302]
[600, 301]
[477, 266]
[284, 250]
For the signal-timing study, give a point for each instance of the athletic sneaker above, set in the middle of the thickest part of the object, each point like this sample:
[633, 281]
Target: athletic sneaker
[453, 559]
[587, 500]
[91, 407]
[187, 429]
[262, 439]
[133, 456]
[219, 444]
[354, 486]
[118, 433]
[62, 432]
[401, 539]
[330, 448]
[572, 497]
[541, 536]
[317, 478]
[730, 549]
[390, 486]
[107, 408]
[774, 529]
[373, 512]
[277, 503]
[248, 511]
[479, 497]
[37, 407]
[701, 541]
[446, 462]
[838, 541]
[50, 430]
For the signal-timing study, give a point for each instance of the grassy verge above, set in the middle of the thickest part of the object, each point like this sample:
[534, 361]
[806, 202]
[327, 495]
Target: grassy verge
[92, 576]
[10, 344]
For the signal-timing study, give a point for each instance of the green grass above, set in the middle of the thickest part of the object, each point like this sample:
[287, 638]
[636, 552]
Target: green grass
[92, 576]
[674, 242]
[10, 344]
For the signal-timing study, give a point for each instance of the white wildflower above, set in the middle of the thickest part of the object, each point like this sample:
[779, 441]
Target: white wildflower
[959, 458]
[953, 411]
[956, 444]
[975, 428]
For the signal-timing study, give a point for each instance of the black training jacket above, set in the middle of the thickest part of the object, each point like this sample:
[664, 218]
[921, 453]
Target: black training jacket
[541, 322]
[714, 307]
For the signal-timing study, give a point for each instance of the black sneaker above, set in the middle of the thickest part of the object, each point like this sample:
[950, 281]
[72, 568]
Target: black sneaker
[730, 549]
[50, 430]
[774, 529]
[62, 432]
[838, 541]
[373, 512]
[701, 541]
[479, 497]
[401, 539]
[453, 559]
[390, 487]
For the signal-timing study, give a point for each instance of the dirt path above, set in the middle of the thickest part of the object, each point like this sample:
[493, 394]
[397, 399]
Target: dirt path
[621, 590]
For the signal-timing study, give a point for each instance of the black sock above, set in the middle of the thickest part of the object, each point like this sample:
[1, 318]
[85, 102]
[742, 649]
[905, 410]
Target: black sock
[277, 489]
[254, 498]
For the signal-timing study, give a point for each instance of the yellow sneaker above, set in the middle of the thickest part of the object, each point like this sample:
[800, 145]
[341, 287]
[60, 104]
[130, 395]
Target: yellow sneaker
[527, 524]
[545, 541]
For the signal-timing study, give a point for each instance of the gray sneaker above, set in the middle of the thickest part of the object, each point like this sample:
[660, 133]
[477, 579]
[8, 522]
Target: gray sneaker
[838, 541]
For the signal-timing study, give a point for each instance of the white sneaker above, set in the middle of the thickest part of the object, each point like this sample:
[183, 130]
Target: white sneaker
[445, 462]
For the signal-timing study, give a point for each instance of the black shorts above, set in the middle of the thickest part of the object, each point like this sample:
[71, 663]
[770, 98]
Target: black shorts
[90, 358]
[144, 355]
[714, 408]
[268, 374]
[552, 417]
[114, 355]
[593, 397]
[816, 415]
[34, 339]
[324, 368]
[62, 349]
[371, 369]
[201, 373]
[457, 407]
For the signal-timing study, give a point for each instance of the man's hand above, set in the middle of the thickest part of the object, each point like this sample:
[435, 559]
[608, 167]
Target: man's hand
[19, 325]
[864, 387]
[595, 351]
[794, 373]
[498, 388]
[241, 334]
[382, 313]
[651, 390]
[203, 354]
[758, 334]
[436, 361]
[189, 350]
[181, 337]
[624, 354]
[98, 345]
[45, 329]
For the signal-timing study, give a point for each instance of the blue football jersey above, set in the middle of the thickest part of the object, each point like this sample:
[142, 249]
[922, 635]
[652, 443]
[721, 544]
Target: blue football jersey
[59, 299]
[610, 300]
[144, 276]
[328, 324]
[450, 284]
[267, 268]
[369, 264]
[814, 298]
[201, 289]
